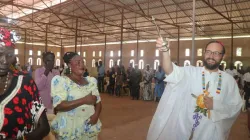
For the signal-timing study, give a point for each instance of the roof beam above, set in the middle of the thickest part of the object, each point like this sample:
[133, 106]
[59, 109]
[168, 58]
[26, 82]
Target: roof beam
[210, 6]
[68, 15]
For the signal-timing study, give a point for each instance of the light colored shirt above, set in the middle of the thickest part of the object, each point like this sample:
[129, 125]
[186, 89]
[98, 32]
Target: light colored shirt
[246, 77]
[232, 72]
[93, 72]
[43, 83]
[73, 122]
[174, 120]
[101, 71]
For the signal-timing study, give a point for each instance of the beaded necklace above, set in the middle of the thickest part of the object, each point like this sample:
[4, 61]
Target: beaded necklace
[204, 85]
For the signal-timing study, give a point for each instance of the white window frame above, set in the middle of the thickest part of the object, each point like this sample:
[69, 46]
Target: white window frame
[132, 53]
[16, 51]
[57, 62]
[133, 62]
[141, 64]
[111, 53]
[30, 52]
[187, 52]
[30, 60]
[156, 64]
[199, 52]
[157, 52]
[142, 53]
[119, 53]
[38, 62]
[39, 53]
[240, 53]
[187, 62]
[100, 53]
[118, 62]
[111, 63]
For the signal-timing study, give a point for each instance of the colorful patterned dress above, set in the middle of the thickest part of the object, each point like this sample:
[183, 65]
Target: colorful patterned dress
[20, 107]
[72, 125]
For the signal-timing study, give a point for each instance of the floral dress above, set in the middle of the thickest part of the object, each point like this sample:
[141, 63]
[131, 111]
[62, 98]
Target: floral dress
[73, 124]
[20, 107]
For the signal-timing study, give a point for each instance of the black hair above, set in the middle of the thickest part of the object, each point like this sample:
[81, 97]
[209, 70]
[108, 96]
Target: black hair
[68, 56]
[215, 41]
[45, 54]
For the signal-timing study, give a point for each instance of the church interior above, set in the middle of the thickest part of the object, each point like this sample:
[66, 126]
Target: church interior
[124, 33]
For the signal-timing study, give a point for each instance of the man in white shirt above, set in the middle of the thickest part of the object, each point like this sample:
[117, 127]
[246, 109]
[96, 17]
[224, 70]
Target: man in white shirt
[199, 103]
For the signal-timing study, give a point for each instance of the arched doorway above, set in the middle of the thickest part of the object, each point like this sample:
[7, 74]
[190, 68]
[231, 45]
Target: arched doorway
[186, 63]
[238, 65]
[223, 64]
[199, 63]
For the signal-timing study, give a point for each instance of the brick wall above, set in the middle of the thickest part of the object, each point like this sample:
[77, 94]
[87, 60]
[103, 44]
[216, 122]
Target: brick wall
[149, 52]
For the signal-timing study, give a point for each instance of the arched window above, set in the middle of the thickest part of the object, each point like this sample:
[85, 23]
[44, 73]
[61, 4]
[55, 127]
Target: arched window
[223, 64]
[57, 62]
[38, 62]
[186, 63]
[84, 61]
[111, 63]
[118, 62]
[30, 60]
[238, 65]
[93, 53]
[133, 62]
[199, 63]
[141, 64]
[156, 64]
[93, 63]
[99, 60]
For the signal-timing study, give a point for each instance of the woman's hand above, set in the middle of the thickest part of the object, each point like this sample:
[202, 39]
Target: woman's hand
[93, 119]
[90, 99]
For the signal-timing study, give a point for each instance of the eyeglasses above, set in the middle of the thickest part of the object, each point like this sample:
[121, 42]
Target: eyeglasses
[216, 54]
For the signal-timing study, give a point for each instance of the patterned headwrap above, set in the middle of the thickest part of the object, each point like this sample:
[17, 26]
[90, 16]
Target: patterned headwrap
[8, 38]
[68, 56]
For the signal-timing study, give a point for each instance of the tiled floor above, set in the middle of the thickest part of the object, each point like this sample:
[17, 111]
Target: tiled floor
[125, 119]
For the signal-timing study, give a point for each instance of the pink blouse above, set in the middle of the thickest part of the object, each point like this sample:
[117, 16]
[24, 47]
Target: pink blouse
[44, 85]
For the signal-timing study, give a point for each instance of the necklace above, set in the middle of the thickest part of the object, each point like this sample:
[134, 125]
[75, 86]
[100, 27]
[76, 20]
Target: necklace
[6, 82]
[218, 90]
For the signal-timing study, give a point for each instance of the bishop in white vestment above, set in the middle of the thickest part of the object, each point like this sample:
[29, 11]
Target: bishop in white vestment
[178, 116]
